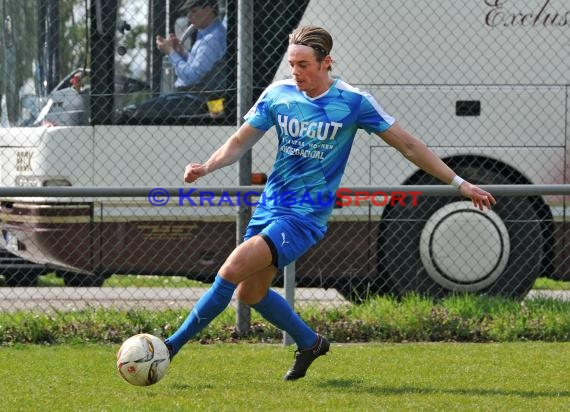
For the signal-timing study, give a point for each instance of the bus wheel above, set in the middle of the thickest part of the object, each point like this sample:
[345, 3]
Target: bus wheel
[444, 245]
[82, 280]
[21, 278]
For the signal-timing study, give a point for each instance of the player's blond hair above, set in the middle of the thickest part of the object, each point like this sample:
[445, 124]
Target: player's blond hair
[316, 38]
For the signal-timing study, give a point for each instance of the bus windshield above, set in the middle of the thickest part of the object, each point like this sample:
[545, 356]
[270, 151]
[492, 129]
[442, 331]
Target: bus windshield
[43, 43]
[81, 62]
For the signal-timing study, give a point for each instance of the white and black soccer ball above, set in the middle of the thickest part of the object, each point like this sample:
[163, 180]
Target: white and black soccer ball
[143, 359]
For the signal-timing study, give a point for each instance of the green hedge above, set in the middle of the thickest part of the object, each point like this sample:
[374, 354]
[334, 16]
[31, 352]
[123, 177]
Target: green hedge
[412, 319]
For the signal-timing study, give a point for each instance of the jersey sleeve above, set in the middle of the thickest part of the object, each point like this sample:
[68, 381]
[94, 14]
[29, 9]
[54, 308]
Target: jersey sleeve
[259, 116]
[372, 116]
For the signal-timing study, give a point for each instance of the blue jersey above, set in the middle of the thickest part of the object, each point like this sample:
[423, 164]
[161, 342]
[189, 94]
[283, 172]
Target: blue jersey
[315, 136]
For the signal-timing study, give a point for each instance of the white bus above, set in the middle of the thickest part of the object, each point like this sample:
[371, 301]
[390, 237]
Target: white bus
[484, 83]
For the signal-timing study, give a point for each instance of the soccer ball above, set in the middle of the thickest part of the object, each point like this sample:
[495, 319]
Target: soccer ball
[143, 359]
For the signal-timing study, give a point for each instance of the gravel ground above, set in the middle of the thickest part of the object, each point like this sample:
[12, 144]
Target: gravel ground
[69, 298]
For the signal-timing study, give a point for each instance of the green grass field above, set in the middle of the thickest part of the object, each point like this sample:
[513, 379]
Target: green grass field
[247, 377]
[78, 373]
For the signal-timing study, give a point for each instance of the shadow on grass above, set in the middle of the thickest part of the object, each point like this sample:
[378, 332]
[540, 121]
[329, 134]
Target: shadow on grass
[357, 385]
[185, 386]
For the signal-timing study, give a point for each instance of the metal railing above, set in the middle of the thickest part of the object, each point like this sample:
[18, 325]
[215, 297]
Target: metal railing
[425, 190]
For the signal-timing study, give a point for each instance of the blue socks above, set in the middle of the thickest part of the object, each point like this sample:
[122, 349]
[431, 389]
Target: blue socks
[210, 305]
[276, 310]
[272, 307]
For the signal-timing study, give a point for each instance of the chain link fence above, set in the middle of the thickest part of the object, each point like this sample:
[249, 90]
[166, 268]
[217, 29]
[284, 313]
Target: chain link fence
[89, 100]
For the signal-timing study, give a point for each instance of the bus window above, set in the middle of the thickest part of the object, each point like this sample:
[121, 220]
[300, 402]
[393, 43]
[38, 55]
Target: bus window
[131, 59]
[17, 102]
[42, 43]
[189, 52]
[77, 70]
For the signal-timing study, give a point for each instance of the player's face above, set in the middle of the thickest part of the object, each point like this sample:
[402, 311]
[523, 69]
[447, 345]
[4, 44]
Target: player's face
[310, 75]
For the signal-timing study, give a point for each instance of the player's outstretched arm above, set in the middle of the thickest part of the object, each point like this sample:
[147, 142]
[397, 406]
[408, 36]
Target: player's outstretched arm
[419, 154]
[234, 148]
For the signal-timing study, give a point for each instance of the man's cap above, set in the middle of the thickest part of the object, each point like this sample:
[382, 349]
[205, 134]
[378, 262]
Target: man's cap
[188, 4]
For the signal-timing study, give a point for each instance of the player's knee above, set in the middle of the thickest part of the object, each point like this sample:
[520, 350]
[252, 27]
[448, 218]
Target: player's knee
[230, 271]
[248, 295]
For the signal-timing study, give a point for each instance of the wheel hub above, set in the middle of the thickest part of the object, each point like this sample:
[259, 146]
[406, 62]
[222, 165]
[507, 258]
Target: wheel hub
[463, 248]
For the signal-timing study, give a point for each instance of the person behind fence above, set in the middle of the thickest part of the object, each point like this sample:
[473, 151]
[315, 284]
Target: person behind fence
[316, 118]
[198, 70]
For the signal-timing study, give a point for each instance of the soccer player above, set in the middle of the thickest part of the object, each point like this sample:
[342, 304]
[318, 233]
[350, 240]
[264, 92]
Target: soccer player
[316, 118]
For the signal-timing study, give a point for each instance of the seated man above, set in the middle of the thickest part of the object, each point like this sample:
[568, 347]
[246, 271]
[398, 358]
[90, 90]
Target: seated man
[198, 70]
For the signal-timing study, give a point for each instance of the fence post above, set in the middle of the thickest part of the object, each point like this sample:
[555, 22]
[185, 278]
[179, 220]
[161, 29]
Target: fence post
[289, 284]
[244, 100]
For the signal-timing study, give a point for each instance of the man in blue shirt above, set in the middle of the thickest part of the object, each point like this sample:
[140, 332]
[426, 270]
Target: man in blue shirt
[200, 72]
[316, 118]
[196, 69]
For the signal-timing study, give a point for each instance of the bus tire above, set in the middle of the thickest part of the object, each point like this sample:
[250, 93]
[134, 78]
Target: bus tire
[21, 278]
[75, 279]
[445, 245]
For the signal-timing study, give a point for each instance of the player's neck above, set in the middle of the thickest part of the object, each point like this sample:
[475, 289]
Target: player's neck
[321, 88]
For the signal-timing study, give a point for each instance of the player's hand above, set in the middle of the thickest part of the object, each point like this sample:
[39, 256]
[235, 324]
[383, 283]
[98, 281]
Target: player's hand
[478, 196]
[193, 171]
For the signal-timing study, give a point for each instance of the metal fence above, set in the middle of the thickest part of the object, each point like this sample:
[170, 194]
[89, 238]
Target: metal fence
[89, 103]
[465, 252]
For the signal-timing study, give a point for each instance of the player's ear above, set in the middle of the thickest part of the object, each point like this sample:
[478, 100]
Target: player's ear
[328, 61]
